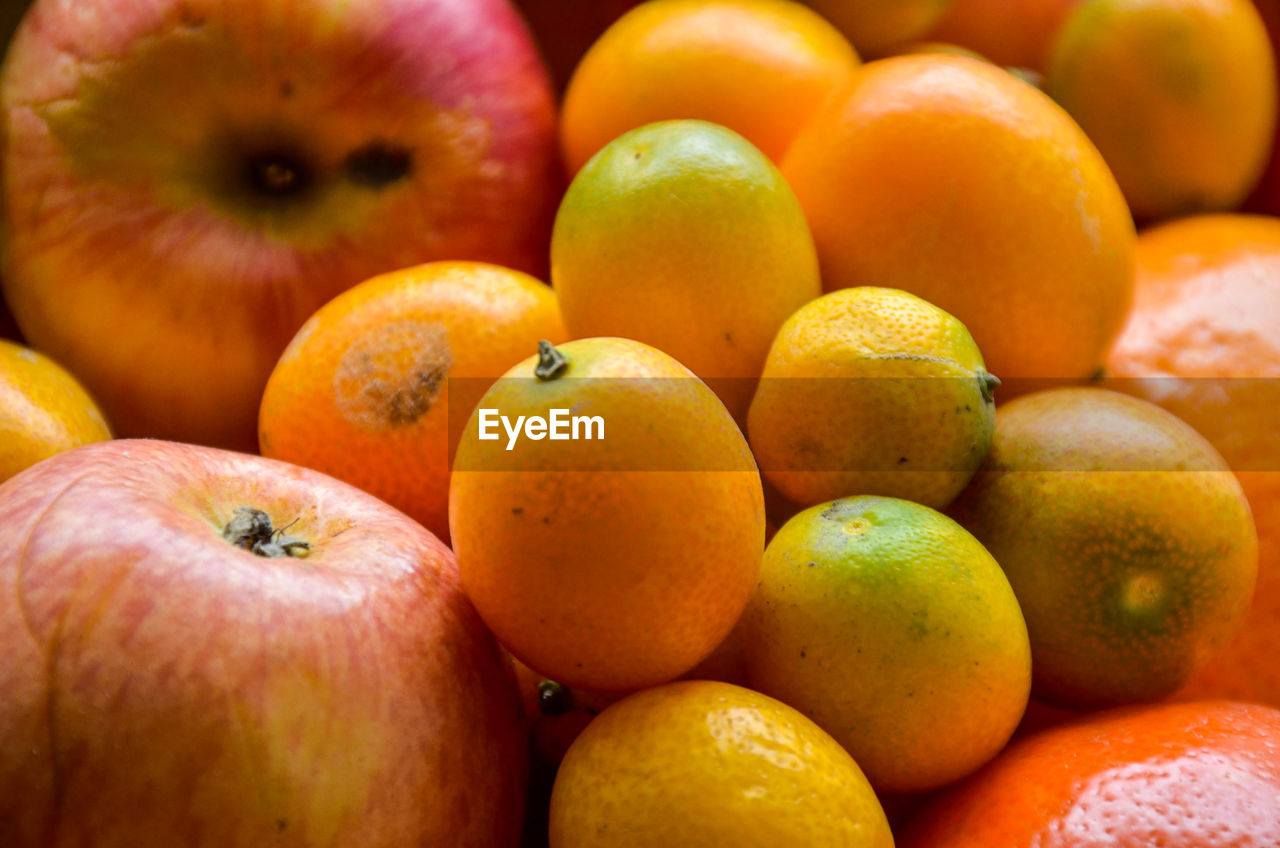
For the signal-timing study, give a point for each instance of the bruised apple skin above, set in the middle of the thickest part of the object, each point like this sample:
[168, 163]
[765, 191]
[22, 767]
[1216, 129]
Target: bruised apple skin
[186, 181]
[164, 687]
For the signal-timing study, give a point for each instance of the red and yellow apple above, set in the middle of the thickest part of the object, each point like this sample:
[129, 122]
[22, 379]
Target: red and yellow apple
[186, 181]
[177, 673]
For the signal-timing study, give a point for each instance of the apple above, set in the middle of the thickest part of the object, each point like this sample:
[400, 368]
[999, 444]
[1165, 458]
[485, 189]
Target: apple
[181, 671]
[186, 181]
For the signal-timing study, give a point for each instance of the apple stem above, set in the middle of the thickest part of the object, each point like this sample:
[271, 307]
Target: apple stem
[551, 362]
[251, 530]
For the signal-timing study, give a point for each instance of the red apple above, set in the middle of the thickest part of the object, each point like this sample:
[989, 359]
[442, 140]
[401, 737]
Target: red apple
[161, 686]
[186, 181]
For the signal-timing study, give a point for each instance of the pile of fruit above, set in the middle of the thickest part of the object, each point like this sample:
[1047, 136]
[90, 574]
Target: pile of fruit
[616, 423]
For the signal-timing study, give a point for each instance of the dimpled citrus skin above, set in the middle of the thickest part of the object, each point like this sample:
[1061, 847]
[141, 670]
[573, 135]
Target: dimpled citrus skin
[43, 410]
[1204, 310]
[759, 67]
[1179, 95]
[702, 763]
[951, 179]
[1129, 543]
[682, 235]
[892, 628]
[1199, 775]
[872, 391]
[362, 391]
[610, 563]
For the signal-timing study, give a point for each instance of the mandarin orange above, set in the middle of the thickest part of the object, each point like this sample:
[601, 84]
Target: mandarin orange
[702, 763]
[953, 180]
[363, 392]
[1201, 775]
[759, 67]
[43, 410]
[1179, 95]
[622, 558]
[1126, 538]
[682, 235]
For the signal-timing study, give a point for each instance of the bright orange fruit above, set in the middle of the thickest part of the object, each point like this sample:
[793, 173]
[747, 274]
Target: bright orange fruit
[896, 631]
[1202, 775]
[759, 67]
[684, 236]
[953, 180]
[620, 560]
[362, 393]
[895, 401]
[43, 410]
[701, 763]
[1179, 95]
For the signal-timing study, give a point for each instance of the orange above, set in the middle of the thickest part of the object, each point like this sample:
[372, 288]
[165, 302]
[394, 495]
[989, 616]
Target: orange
[759, 67]
[1127, 540]
[951, 179]
[1018, 33]
[1203, 775]
[684, 236]
[1179, 95]
[362, 392]
[1204, 328]
[620, 560]
[893, 629]
[43, 410]
[876, 26]
[895, 401]
[696, 764]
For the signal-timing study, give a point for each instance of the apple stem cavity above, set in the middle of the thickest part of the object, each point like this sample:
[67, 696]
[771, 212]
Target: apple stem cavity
[278, 175]
[551, 362]
[251, 530]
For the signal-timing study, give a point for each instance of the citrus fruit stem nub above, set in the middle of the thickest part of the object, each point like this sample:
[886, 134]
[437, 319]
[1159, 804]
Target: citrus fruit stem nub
[551, 362]
[251, 529]
[987, 383]
[554, 698]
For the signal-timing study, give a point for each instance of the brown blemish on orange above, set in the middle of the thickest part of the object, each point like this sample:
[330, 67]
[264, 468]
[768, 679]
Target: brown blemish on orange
[391, 375]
